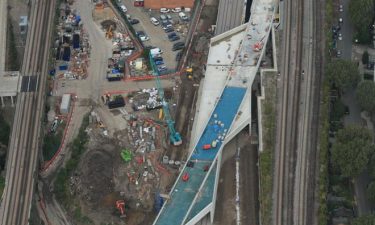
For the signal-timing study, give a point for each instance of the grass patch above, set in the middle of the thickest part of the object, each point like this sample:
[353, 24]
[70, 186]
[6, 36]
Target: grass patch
[62, 179]
[2, 185]
[323, 144]
[12, 63]
[266, 157]
[52, 142]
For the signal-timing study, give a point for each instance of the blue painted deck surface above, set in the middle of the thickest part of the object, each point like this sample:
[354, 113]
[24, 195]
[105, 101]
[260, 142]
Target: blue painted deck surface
[207, 195]
[182, 196]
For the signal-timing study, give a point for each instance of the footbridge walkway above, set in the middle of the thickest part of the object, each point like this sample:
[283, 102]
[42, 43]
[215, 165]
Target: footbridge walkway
[233, 62]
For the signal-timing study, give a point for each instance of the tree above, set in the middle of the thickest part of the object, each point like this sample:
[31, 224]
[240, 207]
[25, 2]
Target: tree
[352, 150]
[365, 58]
[361, 13]
[343, 74]
[366, 96]
[364, 220]
[370, 191]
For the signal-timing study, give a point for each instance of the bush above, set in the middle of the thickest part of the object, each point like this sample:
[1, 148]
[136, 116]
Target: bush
[365, 58]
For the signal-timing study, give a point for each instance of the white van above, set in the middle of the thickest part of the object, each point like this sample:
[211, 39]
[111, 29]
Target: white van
[123, 8]
[183, 16]
[154, 21]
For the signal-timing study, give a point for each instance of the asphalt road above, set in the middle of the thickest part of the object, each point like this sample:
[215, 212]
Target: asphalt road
[25, 137]
[345, 45]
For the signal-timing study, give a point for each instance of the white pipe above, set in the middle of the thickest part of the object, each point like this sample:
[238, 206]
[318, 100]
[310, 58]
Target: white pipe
[238, 211]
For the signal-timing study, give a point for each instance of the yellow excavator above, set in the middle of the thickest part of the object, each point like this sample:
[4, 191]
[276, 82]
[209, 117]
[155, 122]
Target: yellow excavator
[109, 33]
[189, 72]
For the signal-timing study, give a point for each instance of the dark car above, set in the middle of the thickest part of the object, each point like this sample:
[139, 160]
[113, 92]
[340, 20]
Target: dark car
[156, 59]
[171, 35]
[169, 29]
[140, 33]
[178, 47]
[178, 56]
[174, 38]
[159, 63]
[180, 43]
[134, 21]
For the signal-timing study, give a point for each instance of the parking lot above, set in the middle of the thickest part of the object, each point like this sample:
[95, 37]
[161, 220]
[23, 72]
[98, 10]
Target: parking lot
[158, 37]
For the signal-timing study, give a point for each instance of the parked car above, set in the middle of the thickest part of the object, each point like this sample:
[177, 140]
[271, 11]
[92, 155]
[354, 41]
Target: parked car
[178, 47]
[340, 36]
[168, 17]
[183, 16]
[172, 34]
[176, 10]
[164, 10]
[180, 43]
[174, 38]
[341, 8]
[123, 8]
[162, 68]
[169, 29]
[338, 53]
[158, 58]
[154, 21]
[144, 38]
[178, 56]
[134, 21]
[158, 63]
[163, 17]
[142, 35]
[168, 26]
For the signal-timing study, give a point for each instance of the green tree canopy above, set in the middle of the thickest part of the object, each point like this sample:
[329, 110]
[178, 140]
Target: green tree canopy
[365, 57]
[370, 191]
[361, 12]
[366, 95]
[364, 220]
[343, 73]
[352, 150]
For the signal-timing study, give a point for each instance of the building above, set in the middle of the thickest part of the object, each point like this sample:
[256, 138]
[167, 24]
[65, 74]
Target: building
[157, 4]
[65, 104]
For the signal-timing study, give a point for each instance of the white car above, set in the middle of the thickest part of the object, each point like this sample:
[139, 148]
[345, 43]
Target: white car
[341, 8]
[123, 8]
[164, 10]
[154, 21]
[144, 38]
[176, 10]
[340, 37]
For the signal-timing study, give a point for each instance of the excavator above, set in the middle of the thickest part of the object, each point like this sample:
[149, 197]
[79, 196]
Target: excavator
[109, 33]
[120, 205]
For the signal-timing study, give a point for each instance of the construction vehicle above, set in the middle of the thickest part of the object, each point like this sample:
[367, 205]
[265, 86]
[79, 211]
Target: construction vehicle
[109, 33]
[189, 72]
[174, 136]
[120, 205]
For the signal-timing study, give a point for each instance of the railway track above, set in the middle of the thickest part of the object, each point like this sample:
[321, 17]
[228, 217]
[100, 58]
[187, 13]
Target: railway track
[25, 137]
[297, 134]
[289, 92]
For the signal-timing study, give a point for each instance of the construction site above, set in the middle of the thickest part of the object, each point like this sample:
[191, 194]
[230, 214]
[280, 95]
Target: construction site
[134, 152]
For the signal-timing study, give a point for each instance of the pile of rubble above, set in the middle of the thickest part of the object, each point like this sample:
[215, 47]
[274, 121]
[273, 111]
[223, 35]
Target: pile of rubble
[72, 46]
[122, 47]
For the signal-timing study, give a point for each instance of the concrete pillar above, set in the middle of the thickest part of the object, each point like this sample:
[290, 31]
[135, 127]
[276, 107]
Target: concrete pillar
[11, 99]
[2, 101]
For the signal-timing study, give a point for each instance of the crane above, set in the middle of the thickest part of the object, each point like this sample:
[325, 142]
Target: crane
[174, 136]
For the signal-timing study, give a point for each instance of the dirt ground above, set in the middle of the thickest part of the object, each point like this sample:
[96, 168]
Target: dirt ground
[103, 177]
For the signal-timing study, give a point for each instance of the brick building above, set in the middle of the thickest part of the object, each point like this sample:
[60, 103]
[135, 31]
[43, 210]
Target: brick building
[157, 4]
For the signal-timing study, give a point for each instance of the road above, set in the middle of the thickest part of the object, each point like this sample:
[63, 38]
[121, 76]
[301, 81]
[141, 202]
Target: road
[25, 137]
